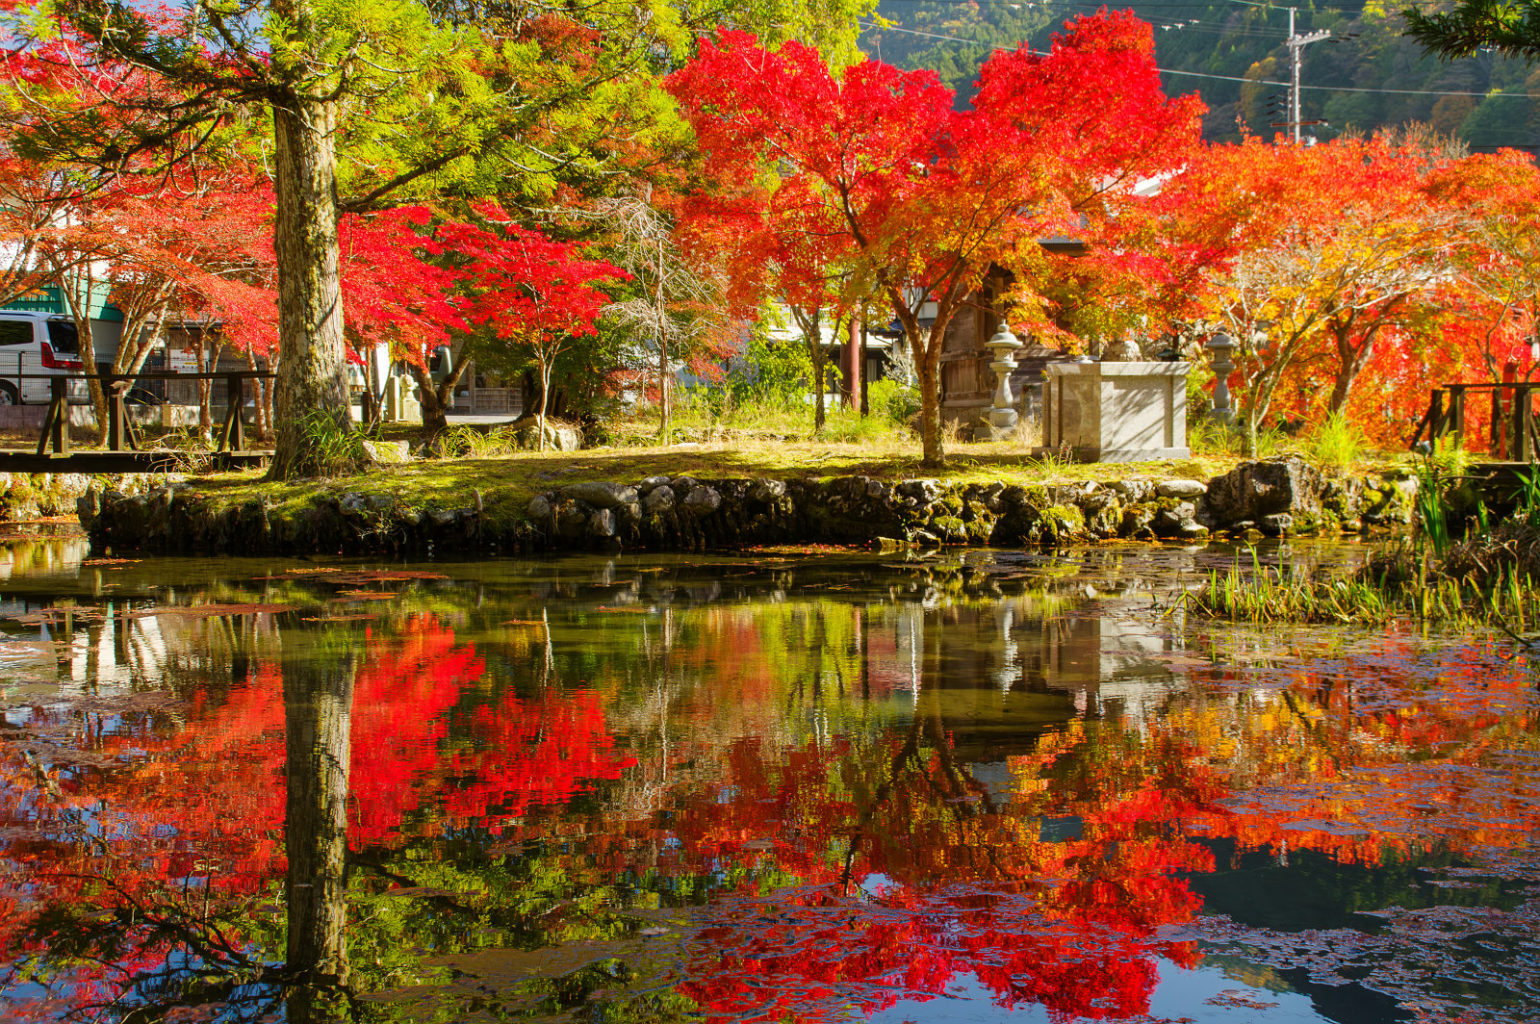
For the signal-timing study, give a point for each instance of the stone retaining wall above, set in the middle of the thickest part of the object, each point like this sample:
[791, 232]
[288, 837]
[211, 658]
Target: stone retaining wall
[25, 496]
[683, 513]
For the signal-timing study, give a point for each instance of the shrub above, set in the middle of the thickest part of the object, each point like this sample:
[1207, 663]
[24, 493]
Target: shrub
[898, 401]
[1337, 443]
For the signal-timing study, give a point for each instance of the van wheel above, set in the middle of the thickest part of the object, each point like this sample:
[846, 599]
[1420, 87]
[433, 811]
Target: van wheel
[8, 394]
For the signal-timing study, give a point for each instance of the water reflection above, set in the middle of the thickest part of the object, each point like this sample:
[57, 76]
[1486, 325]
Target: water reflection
[773, 788]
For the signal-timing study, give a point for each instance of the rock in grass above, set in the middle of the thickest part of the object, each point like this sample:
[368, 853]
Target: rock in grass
[1185, 489]
[602, 493]
[388, 452]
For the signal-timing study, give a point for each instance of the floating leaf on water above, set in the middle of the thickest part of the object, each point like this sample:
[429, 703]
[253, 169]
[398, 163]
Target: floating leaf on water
[367, 595]
[1235, 997]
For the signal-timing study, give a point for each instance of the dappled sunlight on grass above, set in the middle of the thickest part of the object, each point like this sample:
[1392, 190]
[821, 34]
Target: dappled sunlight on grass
[505, 484]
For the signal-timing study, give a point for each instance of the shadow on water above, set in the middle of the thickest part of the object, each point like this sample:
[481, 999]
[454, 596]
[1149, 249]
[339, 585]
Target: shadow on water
[779, 787]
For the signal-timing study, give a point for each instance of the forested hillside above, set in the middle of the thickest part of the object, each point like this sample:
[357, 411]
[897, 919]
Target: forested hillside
[1367, 76]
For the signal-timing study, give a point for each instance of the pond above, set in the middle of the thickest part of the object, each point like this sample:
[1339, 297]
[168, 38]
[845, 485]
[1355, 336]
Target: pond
[792, 786]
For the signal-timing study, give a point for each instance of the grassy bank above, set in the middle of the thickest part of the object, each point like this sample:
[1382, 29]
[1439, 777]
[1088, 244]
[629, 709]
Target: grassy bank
[1460, 567]
[1381, 592]
[506, 483]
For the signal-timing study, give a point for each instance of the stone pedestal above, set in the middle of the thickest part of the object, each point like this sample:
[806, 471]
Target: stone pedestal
[1115, 412]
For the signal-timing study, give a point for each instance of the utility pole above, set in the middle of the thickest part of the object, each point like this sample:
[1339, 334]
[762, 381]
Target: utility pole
[1296, 45]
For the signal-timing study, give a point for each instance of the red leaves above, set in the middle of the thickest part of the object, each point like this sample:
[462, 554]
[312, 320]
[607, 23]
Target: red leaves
[524, 286]
[875, 180]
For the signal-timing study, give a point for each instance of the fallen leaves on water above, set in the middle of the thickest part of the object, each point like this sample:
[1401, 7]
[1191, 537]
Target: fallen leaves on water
[368, 595]
[356, 577]
[56, 615]
[210, 611]
[1235, 997]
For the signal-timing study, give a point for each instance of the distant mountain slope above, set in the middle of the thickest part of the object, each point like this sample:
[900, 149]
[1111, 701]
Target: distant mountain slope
[1367, 77]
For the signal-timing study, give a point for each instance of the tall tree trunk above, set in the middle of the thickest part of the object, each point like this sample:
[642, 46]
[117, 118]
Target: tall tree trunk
[665, 429]
[820, 366]
[312, 377]
[79, 291]
[927, 360]
[318, 703]
[435, 401]
[263, 423]
[545, 400]
[1351, 360]
[866, 405]
[660, 318]
[812, 337]
[851, 366]
[431, 401]
[205, 389]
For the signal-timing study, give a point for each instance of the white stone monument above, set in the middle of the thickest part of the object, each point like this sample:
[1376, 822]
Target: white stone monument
[1115, 411]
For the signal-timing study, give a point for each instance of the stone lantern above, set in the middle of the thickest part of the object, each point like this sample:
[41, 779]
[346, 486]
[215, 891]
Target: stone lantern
[1002, 415]
[1220, 346]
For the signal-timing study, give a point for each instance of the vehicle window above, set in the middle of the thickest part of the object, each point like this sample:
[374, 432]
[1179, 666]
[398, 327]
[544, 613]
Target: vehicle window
[63, 337]
[15, 332]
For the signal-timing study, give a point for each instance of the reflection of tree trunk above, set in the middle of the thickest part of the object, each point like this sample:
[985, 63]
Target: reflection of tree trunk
[311, 1004]
[318, 700]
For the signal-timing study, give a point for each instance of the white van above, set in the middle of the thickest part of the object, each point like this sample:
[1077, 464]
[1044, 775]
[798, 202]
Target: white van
[36, 343]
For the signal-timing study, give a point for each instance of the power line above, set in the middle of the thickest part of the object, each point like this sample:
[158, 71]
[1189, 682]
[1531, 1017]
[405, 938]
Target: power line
[1088, 5]
[872, 26]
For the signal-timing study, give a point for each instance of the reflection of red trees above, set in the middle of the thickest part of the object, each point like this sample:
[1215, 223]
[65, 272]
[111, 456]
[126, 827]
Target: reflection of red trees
[528, 753]
[204, 799]
[912, 877]
[815, 952]
[1358, 764]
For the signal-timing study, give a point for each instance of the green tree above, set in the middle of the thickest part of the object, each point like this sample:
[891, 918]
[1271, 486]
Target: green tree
[356, 104]
[1511, 28]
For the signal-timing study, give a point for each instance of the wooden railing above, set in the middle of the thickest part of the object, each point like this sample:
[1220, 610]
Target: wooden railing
[1513, 431]
[121, 437]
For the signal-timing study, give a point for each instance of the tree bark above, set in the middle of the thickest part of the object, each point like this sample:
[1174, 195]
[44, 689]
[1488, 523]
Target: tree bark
[927, 360]
[545, 399]
[665, 429]
[660, 321]
[1351, 362]
[205, 389]
[318, 702]
[312, 377]
[866, 405]
[812, 337]
[264, 423]
[852, 368]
